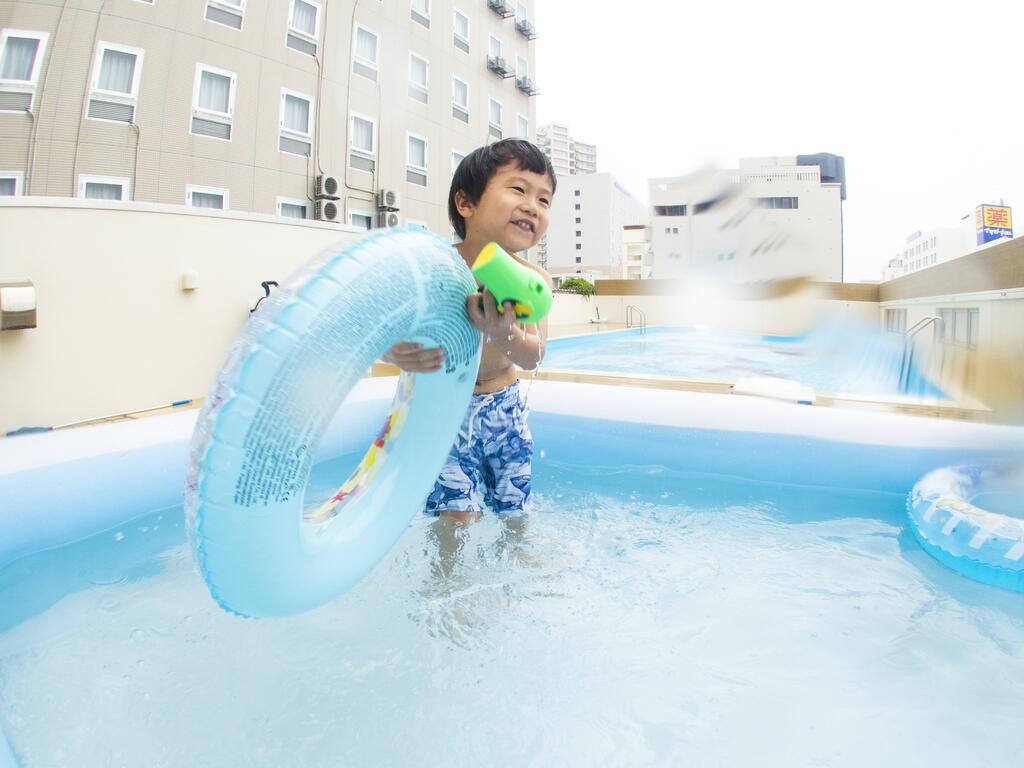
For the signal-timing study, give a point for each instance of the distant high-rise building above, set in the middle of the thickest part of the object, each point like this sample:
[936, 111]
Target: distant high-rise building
[568, 157]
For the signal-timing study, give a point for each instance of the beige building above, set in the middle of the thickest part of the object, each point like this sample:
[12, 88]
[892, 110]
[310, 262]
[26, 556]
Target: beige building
[258, 107]
[636, 252]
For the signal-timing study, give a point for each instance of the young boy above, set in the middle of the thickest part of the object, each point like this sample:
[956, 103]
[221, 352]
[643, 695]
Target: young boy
[500, 193]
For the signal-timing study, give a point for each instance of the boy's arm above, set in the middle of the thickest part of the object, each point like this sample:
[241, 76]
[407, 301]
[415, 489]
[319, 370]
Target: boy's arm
[524, 344]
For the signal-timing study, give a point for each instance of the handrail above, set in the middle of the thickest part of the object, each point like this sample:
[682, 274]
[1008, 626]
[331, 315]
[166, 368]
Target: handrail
[907, 361]
[630, 308]
[923, 323]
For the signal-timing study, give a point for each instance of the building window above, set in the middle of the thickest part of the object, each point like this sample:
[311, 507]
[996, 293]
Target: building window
[670, 210]
[775, 202]
[959, 327]
[460, 99]
[290, 208]
[522, 127]
[364, 57]
[579, 233]
[296, 123]
[579, 259]
[360, 219]
[577, 206]
[579, 247]
[896, 320]
[576, 193]
[303, 26]
[11, 183]
[522, 68]
[226, 12]
[675, 230]
[114, 86]
[494, 116]
[461, 37]
[213, 102]
[578, 219]
[457, 158]
[206, 197]
[21, 57]
[103, 188]
[362, 143]
[421, 12]
[493, 47]
[416, 159]
[419, 77]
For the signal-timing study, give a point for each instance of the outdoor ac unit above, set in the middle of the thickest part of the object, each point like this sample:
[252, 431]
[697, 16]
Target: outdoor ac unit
[328, 187]
[326, 210]
[388, 200]
[387, 219]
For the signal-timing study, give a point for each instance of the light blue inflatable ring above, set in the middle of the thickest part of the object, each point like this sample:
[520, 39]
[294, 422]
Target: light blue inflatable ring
[949, 519]
[261, 551]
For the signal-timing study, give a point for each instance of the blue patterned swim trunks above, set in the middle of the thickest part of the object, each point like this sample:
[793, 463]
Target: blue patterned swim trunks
[489, 464]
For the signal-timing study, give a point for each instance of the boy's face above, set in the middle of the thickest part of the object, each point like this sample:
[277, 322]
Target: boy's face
[513, 211]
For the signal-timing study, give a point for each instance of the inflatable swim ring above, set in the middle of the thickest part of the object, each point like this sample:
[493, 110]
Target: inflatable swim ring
[261, 551]
[948, 520]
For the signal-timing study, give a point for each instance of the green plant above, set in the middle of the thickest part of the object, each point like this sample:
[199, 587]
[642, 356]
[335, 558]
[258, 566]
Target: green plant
[578, 285]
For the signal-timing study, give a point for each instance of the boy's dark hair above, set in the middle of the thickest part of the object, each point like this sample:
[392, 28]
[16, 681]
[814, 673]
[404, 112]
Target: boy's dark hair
[477, 168]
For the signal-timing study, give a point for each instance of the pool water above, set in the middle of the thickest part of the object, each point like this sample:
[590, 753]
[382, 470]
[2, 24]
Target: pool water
[834, 358]
[644, 616]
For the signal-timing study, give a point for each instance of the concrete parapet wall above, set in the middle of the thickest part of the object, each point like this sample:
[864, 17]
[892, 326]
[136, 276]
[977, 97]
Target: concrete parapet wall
[116, 331]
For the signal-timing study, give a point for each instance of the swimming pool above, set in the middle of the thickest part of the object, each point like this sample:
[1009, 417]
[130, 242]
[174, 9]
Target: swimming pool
[834, 358]
[706, 578]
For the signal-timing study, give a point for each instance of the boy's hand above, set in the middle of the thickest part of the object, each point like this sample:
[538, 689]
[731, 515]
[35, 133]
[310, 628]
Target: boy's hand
[482, 309]
[414, 358]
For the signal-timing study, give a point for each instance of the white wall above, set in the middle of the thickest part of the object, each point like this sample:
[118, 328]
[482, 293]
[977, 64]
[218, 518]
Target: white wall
[115, 330]
[605, 207]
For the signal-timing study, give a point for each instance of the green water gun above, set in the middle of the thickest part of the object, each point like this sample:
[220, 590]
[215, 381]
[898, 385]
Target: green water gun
[509, 280]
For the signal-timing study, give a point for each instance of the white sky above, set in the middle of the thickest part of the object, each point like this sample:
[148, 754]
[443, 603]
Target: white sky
[923, 99]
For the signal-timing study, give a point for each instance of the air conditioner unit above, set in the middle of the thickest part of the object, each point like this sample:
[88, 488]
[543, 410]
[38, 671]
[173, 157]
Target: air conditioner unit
[388, 200]
[387, 219]
[328, 187]
[326, 210]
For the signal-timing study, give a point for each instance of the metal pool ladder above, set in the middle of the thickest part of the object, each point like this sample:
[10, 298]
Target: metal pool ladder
[907, 362]
[641, 317]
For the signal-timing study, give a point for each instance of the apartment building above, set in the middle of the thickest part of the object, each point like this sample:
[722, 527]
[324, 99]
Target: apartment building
[356, 112]
[587, 233]
[568, 157]
[771, 217]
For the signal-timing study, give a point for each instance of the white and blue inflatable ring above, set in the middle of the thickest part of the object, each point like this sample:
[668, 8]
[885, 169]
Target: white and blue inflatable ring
[984, 545]
[261, 551]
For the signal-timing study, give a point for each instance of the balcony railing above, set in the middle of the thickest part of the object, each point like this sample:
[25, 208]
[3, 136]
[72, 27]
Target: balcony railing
[502, 8]
[498, 66]
[527, 86]
[526, 29]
